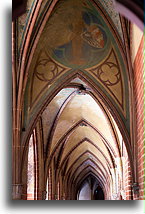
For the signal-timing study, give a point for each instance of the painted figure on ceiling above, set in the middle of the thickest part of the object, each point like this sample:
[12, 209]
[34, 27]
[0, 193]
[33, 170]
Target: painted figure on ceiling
[76, 34]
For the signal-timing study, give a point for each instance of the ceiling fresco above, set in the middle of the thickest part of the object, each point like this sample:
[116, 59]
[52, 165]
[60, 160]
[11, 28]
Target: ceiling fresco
[77, 56]
[108, 73]
[83, 42]
[23, 20]
[76, 102]
[77, 39]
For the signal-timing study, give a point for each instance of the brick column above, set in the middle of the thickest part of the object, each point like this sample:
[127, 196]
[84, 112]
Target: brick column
[139, 109]
[128, 180]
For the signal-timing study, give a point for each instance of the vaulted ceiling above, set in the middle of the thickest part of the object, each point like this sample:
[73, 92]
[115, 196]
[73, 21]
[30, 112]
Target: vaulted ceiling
[77, 136]
[78, 84]
[87, 43]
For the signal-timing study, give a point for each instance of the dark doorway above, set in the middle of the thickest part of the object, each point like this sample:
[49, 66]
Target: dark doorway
[98, 194]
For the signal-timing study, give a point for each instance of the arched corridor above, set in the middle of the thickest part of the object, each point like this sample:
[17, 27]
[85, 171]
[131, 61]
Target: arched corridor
[90, 189]
[84, 140]
[78, 93]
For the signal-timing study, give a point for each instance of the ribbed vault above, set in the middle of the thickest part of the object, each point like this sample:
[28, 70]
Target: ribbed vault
[77, 142]
[75, 99]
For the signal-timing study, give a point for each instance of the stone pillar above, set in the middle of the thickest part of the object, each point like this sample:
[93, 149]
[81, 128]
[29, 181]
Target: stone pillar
[16, 191]
[44, 193]
[16, 147]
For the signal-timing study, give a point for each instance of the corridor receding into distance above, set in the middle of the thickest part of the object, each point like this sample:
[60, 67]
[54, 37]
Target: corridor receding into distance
[78, 97]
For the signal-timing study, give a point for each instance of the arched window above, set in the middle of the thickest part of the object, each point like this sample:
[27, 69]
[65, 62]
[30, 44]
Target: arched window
[49, 184]
[32, 168]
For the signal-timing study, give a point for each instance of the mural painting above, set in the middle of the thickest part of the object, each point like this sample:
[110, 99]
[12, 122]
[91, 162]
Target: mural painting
[76, 38]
